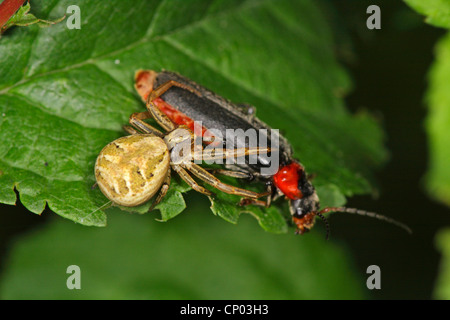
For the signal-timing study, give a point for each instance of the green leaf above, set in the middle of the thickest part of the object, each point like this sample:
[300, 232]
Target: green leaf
[173, 204]
[438, 124]
[227, 207]
[438, 102]
[66, 93]
[194, 257]
[437, 12]
[442, 289]
[23, 18]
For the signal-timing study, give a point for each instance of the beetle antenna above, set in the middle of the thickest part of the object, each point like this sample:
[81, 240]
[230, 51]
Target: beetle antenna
[367, 214]
[327, 225]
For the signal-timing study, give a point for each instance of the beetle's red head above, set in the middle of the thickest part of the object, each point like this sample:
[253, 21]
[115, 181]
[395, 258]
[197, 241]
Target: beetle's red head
[293, 182]
[304, 205]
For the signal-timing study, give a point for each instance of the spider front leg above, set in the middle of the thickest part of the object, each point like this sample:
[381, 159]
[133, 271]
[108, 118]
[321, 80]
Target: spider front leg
[249, 176]
[190, 181]
[136, 120]
[244, 175]
[217, 154]
[207, 177]
[169, 84]
[130, 130]
[160, 117]
[231, 173]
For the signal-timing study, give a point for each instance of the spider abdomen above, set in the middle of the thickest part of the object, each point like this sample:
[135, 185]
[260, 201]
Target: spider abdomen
[130, 170]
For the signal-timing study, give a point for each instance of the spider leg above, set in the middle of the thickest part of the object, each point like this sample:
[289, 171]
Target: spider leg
[189, 180]
[130, 130]
[162, 192]
[160, 117]
[216, 183]
[169, 84]
[230, 173]
[136, 120]
[213, 154]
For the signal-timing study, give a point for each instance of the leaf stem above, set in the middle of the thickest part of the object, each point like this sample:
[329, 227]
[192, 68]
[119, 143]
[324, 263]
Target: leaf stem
[7, 9]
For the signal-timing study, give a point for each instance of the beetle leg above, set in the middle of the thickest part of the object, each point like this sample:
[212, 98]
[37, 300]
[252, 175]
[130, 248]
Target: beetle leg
[136, 120]
[162, 192]
[216, 183]
[190, 181]
[256, 202]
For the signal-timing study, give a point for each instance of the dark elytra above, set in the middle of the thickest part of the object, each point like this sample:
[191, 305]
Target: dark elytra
[220, 114]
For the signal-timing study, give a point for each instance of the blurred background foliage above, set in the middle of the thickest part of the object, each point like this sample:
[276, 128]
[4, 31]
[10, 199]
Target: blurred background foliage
[437, 99]
[199, 256]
